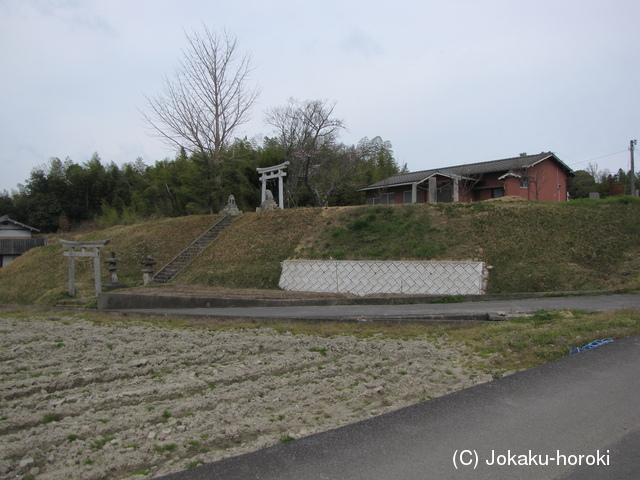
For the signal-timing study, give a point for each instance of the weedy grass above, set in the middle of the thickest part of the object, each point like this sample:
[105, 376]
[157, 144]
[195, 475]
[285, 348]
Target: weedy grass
[51, 417]
[40, 276]
[560, 247]
[530, 341]
[286, 438]
[170, 447]
[532, 247]
[101, 442]
[249, 253]
[383, 232]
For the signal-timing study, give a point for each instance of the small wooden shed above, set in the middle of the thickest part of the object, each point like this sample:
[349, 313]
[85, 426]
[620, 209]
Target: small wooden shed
[15, 239]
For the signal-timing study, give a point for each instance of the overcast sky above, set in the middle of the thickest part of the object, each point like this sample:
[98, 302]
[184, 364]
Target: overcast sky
[445, 81]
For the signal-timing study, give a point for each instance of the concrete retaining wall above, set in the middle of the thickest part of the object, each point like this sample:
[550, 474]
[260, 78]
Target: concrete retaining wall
[368, 277]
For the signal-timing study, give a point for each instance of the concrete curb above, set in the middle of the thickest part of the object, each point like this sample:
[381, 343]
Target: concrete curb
[127, 301]
[428, 318]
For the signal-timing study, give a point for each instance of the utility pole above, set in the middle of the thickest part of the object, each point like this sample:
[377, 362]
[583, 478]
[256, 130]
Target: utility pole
[632, 144]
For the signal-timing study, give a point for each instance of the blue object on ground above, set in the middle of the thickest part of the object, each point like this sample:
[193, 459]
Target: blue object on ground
[594, 344]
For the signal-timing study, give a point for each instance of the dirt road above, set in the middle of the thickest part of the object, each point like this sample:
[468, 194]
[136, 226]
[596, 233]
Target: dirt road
[80, 400]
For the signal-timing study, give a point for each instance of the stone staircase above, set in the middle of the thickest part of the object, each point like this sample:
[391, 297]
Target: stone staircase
[175, 266]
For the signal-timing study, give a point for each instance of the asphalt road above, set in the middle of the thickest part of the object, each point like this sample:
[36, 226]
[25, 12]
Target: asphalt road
[468, 310]
[579, 415]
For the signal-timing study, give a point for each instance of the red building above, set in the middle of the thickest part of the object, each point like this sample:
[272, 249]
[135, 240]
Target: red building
[541, 177]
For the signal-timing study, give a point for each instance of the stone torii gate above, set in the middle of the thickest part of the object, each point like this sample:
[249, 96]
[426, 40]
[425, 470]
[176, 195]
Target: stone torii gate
[86, 249]
[268, 173]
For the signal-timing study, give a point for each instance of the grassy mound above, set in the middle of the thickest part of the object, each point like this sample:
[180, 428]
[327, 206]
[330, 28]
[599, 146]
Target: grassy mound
[579, 245]
[40, 277]
[532, 247]
[249, 253]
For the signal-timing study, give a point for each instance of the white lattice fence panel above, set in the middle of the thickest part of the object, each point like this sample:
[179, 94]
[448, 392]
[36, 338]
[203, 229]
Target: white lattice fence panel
[367, 277]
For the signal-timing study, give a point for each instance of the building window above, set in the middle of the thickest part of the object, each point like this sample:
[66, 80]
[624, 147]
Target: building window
[388, 198]
[384, 198]
[408, 196]
[497, 192]
[524, 183]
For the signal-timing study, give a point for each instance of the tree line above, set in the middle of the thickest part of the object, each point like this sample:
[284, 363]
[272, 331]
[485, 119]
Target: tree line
[203, 102]
[592, 180]
[63, 194]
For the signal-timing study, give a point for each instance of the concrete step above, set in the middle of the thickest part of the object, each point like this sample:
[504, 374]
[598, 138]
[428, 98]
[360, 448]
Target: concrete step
[174, 267]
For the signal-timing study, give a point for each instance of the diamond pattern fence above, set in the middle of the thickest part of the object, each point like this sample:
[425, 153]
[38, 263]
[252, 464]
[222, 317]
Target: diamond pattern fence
[368, 277]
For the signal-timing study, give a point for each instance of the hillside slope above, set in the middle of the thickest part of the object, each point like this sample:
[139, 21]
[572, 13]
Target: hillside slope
[41, 277]
[588, 245]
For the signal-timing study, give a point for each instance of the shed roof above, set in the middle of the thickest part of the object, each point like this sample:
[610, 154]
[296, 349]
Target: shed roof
[5, 219]
[469, 169]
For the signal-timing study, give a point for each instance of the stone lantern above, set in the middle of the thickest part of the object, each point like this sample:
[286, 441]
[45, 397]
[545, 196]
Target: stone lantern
[231, 208]
[147, 271]
[112, 261]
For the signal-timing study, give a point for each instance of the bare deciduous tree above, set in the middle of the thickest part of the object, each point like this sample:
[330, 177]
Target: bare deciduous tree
[308, 134]
[207, 97]
[531, 178]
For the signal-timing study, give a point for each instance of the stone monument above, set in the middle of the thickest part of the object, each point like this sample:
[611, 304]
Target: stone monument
[268, 203]
[231, 208]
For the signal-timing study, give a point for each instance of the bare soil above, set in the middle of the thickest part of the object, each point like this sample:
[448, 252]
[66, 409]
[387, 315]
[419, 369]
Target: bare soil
[81, 400]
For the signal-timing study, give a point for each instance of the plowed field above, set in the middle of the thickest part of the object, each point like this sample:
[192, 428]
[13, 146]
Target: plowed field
[87, 401]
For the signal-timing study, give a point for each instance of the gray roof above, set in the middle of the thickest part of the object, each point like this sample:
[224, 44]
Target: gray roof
[5, 218]
[469, 170]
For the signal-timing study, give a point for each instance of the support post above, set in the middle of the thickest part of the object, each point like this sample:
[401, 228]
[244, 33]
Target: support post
[72, 274]
[96, 273]
[433, 190]
[632, 145]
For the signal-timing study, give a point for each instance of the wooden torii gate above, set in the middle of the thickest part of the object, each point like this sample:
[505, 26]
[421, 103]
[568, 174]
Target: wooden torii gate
[86, 249]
